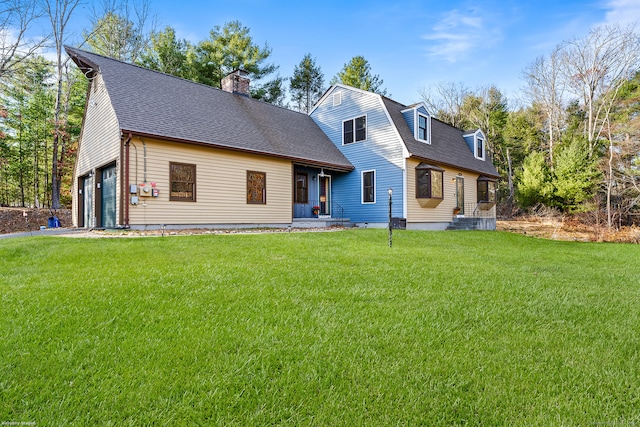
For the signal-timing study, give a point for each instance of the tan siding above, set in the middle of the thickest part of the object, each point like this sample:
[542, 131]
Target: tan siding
[444, 211]
[220, 186]
[100, 138]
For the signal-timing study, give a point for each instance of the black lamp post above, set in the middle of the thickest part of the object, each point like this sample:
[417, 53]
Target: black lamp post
[390, 219]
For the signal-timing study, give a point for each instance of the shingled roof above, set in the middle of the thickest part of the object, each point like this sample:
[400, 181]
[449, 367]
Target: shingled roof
[447, 147]
[151, 103]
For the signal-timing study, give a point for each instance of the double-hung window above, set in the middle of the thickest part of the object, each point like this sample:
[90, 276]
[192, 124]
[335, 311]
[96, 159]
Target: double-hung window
[429, 182]
[479, 148]
[369, 187]
[423, 128]
[354, 130]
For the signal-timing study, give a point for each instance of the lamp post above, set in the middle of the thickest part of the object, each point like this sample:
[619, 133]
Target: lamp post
[390, 220]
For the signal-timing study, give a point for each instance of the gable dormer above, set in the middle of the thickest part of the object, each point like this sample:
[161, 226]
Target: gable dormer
[477, 144]
[419, 121]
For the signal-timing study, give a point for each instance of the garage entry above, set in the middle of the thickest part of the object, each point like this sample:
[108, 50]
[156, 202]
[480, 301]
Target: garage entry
[107, 197]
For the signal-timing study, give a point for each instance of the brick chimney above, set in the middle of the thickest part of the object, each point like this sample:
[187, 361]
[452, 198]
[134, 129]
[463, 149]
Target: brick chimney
[236, 82]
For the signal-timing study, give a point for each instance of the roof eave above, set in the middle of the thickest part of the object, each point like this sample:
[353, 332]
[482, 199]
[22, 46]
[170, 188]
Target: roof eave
[311, 162]
[463, 168]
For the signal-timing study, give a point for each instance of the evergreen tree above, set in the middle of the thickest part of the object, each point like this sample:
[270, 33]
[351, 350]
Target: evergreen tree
[534, 181]
[575, 175]
[272, 92]
[166, 53]
[357, 73]
[228, 48]
[307, 83]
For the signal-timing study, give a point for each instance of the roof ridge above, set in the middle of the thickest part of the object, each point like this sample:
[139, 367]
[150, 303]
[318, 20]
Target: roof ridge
[83, 51]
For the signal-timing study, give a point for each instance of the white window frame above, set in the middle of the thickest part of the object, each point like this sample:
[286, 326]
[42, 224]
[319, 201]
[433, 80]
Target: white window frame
[417, 127]
[337, 98]
[362, 186]
[479, 140]
[353, 119]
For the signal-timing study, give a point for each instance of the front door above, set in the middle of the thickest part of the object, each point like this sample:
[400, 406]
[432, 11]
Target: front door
[325, 195]
[87, 202]
[460, 194]
[108, 197]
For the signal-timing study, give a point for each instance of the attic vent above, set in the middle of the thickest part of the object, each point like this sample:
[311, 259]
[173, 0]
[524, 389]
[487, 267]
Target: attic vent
[337, 99]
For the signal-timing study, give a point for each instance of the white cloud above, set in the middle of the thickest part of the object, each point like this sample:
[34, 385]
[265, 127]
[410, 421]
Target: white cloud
[623, 12]
[458, 33]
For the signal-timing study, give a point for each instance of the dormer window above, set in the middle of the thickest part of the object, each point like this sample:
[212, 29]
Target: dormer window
[479, 148]
[423, 128]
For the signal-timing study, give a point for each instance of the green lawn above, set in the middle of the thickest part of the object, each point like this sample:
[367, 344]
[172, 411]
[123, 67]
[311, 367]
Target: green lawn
[322, 329]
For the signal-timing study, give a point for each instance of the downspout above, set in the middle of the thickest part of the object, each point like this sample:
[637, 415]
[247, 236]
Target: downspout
[127, 182]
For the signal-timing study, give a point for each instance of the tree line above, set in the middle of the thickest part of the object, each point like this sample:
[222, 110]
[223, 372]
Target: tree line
[571, 143]
[42, 101]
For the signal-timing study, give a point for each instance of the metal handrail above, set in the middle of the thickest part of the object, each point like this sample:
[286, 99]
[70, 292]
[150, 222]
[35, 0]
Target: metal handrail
[472, 210]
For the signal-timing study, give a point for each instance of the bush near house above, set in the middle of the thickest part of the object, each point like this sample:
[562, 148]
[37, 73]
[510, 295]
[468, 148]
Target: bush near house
[332, 329]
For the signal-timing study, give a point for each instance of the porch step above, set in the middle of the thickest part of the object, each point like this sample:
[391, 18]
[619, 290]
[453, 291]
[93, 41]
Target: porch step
[320, 222]
[464, 223]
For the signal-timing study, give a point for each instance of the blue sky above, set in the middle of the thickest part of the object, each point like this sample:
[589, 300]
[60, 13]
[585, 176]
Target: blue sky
[411, 44]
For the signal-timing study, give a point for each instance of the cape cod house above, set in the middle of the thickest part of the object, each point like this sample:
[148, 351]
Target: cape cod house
[156, 150]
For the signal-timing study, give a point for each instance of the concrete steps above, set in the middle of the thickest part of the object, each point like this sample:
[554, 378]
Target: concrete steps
[320, 222]
[463, 223]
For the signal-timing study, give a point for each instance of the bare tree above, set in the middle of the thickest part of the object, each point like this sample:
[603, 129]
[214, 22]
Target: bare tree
[59, 12]
[16, 17]
[546, 89]
[595, 67]
[446, 101]
[121, 29]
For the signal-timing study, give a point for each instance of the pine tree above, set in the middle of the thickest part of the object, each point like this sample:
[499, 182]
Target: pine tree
[306, 84]
[357, 73]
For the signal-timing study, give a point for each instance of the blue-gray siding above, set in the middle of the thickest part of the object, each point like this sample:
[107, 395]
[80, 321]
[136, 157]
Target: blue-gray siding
[382, 151]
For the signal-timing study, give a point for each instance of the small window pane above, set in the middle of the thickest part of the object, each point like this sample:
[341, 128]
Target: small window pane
[436, 184]
[482, 191]
[492, 192]
[348, 131]
[361, 128]
[423, 183]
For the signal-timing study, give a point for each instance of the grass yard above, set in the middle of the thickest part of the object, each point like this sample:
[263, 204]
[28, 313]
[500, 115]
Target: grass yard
[322, 329]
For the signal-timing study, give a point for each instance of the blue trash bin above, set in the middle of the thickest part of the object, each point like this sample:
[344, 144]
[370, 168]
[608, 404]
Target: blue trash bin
[54, 222]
